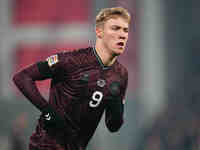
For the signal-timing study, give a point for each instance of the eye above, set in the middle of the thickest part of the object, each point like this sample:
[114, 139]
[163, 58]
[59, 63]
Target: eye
[115, 28]
[126, 30]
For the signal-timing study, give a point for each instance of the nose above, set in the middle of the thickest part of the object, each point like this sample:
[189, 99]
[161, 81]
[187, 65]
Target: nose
[122, 35]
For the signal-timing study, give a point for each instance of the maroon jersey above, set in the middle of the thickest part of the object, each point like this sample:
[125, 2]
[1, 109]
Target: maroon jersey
[81, 87]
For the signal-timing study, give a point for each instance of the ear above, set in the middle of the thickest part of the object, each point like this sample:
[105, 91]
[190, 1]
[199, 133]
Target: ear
[99, 32]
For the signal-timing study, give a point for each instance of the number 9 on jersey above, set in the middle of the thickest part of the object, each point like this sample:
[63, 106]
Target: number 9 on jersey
[96, 99]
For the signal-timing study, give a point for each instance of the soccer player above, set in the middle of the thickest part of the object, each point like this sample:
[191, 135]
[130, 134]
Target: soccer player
[84, 83]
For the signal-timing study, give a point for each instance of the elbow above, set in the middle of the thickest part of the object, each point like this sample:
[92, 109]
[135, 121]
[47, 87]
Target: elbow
[16, 78]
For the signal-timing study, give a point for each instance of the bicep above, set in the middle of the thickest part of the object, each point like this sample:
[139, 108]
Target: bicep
[124, 87]
[37, 71]
[34, 72]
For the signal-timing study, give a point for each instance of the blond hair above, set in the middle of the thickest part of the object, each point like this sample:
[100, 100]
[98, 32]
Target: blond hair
[108, 13]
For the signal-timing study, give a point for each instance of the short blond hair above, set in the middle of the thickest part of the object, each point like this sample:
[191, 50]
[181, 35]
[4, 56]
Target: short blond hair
[108, 13]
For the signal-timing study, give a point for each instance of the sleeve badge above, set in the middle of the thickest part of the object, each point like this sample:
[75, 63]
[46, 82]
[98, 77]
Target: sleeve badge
[52, 60]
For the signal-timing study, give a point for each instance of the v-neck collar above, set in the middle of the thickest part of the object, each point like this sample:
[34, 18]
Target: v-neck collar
[104, 67]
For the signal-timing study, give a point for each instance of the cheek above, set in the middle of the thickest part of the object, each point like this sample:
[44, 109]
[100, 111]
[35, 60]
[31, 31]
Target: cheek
[110, 36]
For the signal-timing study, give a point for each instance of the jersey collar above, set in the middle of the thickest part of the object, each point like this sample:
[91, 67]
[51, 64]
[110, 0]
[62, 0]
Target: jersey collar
[99, 60]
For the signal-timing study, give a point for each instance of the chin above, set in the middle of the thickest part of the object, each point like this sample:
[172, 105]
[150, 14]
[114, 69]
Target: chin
[117, 53]
[120, 51]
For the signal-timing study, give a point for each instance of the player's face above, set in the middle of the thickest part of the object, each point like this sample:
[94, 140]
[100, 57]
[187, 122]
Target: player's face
[115, 35]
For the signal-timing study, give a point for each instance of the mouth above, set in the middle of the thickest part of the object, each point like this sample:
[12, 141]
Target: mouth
[120, 43]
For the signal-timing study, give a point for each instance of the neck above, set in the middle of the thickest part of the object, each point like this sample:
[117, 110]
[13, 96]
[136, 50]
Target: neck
[107, 58]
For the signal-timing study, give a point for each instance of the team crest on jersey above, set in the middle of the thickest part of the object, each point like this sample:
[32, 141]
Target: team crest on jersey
[115, 88]
[52, 60]
[101, 83]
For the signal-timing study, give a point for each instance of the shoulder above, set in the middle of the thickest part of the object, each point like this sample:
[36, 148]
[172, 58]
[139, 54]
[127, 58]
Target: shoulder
[74, 55]
[76, 52]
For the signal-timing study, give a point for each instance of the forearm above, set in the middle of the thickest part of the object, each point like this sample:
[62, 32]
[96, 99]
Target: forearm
[114, 115]
[25, 81]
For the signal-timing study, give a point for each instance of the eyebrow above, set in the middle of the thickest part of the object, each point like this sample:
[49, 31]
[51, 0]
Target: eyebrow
[119, 26]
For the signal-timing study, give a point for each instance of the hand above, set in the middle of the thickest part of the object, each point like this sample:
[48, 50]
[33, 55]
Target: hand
[51, 119]
[57, 125]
